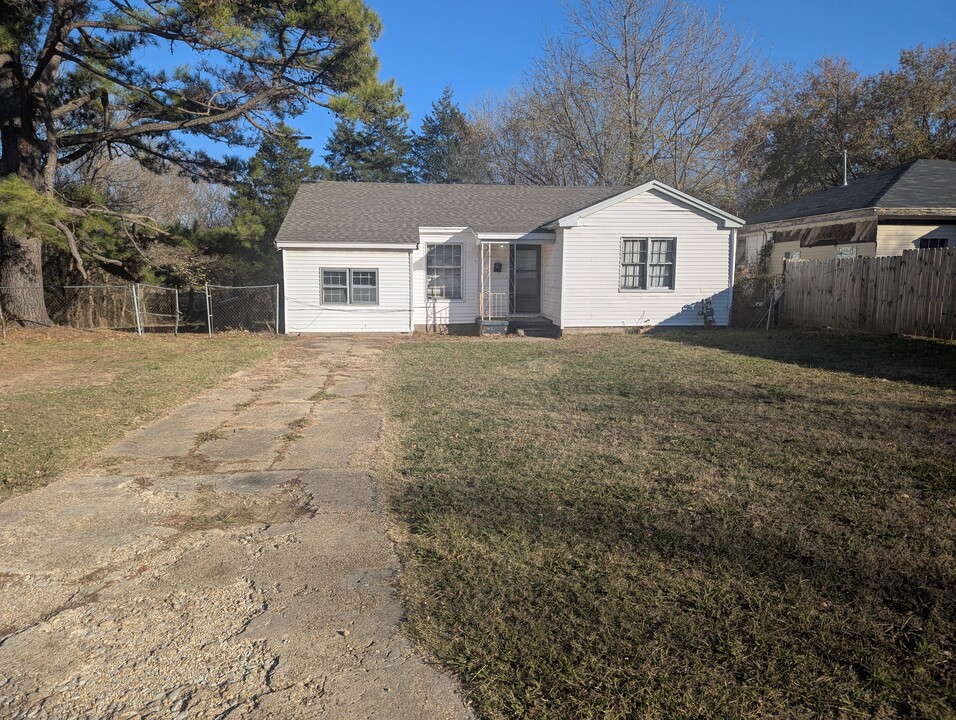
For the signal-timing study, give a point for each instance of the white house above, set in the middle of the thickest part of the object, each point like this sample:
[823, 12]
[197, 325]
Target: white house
[382, 257]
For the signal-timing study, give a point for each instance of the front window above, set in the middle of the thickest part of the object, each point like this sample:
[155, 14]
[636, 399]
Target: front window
[647, 263]
[443, 271]
[349, 287]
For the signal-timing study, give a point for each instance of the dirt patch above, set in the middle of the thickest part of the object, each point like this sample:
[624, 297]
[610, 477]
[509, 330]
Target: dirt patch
[15, 333]
[212, 510]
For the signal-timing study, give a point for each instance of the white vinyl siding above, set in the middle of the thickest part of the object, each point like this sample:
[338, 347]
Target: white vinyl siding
[306, 312]
[501, 281]
[431, 312]
[551, 279]
[592, 296]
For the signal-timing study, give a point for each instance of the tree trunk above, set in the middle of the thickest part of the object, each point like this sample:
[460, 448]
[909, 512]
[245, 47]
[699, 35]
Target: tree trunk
[21, 256]
[21, 279]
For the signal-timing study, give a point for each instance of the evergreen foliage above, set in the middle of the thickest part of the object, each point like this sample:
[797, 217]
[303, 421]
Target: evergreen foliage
[375, 149]
[262, 197]
[446, 149]
[77, 82]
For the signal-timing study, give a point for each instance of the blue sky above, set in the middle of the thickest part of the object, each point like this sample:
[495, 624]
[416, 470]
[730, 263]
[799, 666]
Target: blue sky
[483, 47]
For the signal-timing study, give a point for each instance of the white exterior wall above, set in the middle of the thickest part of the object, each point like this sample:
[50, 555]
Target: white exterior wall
[500, 281]
[591, 267]
[551, 279]
[304, 311]
[894, 239]
[437, 311]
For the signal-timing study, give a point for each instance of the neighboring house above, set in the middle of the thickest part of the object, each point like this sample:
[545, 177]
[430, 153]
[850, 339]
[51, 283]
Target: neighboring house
[383, 257]
[909, 207]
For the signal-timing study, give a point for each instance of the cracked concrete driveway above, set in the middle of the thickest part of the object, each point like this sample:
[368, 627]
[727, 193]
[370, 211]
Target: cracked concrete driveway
[229, 560]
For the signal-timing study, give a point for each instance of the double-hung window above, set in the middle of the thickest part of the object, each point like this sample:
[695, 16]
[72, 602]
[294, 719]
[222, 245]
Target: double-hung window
[349, 287]
[647, 263]
[443, 271]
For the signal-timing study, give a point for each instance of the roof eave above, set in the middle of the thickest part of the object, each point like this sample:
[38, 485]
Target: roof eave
[920, 212]
[837, 217]
[313, 245]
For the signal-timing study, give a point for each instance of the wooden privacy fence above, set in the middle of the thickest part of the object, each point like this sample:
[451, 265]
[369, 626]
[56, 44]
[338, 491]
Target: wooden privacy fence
[912, 294]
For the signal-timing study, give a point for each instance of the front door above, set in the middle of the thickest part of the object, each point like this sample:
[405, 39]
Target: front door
[525, 279]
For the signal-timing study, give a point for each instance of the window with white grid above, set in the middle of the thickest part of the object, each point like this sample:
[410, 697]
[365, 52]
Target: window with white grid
[443, 271]
[647, 263]
[349, 287]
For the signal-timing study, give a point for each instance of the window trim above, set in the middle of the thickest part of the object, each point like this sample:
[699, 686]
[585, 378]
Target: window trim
[350, 301]
[460, 267]
[647, 264]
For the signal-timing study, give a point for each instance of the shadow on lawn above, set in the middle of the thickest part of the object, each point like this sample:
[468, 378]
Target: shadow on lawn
[863, 624]
[908, 359]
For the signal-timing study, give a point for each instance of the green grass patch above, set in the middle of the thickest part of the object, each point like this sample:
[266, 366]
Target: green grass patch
[295, 428]
[209, 436]
[687, 524]
[320, 396]
[299, 423]
[65, 396]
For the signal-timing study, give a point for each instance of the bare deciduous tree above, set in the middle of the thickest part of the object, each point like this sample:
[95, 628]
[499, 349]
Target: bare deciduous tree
[634, 90]
[167, 199]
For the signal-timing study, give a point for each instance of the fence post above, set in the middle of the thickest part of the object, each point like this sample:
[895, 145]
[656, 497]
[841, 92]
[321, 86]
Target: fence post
[277, 309]
[208, 311]
[137, 308]
[176, 312]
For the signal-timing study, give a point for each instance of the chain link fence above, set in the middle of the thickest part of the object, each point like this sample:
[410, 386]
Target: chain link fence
[254, 308]
[157, 308]
[143, 308]
[96, 307]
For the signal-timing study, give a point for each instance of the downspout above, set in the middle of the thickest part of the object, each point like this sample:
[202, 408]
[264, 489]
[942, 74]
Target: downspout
[481, 277]
[561, 233]
[733, 263]
[411, 291]
[285, 292]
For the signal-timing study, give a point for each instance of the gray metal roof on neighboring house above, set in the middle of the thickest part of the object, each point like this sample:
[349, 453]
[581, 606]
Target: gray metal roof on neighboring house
[917, 184]
[357, 212]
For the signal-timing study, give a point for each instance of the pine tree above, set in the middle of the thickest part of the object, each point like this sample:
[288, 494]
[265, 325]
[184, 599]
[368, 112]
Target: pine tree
[446, 149]
[378, 149]
[272, 178]
[74, 80]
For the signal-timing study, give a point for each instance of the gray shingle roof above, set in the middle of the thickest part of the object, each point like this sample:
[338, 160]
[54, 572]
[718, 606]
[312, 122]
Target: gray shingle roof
[346, 212]
[917, 184]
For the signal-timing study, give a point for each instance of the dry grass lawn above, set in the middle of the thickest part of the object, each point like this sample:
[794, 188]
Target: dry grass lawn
[688, 524]
[66, 394]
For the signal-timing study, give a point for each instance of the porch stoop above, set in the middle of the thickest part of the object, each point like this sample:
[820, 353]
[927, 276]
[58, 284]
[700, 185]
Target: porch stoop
[534, 326]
